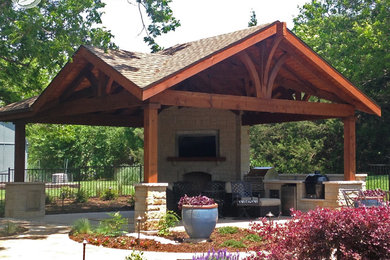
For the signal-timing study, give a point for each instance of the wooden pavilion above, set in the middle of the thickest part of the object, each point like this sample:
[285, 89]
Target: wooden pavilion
[264, 74]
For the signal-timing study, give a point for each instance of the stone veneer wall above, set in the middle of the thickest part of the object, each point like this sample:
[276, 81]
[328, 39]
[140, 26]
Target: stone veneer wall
[333, 195]
[24, 200]
[150, 204]
[233, 143]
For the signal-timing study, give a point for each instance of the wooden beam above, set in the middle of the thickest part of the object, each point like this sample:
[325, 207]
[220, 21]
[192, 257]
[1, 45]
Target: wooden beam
[320, 63]
[92, 120]
[20, 151]
[150, 143]
[253, 74]
[228, 102]
[268, 118]
[349, 148]
[56, 84]
[90, 105]
[209, 61]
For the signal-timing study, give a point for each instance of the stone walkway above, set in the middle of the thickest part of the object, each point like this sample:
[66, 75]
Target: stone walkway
[47, 238]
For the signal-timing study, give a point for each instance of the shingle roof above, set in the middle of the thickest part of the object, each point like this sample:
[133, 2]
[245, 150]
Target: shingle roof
[18, 106]
[145, 70]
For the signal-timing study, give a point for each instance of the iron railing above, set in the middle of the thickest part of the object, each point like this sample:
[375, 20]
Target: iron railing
[66, 183]
[378, 177]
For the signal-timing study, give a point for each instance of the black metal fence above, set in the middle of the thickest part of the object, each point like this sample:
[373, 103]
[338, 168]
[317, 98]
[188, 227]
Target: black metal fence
[378, 176]
[92, 181]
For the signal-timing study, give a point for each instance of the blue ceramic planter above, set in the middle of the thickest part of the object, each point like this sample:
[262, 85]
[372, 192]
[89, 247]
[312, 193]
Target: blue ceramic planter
[199, 221]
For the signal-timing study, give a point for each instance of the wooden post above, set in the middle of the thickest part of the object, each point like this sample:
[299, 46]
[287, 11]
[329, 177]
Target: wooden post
[349, 148]
[20, 148]
[150, 142]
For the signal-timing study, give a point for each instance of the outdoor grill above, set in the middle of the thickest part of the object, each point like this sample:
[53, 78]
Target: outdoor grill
[315, 189]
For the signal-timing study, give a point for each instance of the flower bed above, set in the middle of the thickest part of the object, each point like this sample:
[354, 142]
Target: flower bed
[242, 240]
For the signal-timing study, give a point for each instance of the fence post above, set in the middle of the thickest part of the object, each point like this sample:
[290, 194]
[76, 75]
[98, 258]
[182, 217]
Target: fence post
[9, 174]
[140, 173]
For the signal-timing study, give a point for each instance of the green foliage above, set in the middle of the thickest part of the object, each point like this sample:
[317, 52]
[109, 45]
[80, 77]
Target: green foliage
[51, 145]
[36, 42]
[81, 226]
[2, 208]
[112, 226]
[169, 220]
[353, 37]
[49, 199]
[135, 255]
[128, 176]
[253, 20]
[233, 243]
[10, 228]
[162, 20]
[82, 195]
[298, 147]
[109, 194]
[227, 230]
[66, 192]
[253, 238]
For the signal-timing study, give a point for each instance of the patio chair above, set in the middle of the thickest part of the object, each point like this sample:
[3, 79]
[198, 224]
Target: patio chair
[216, 190]
[244, 200]
[356, 198]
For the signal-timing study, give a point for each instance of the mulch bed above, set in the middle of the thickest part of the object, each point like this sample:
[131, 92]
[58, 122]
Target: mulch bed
[215, 242]
[92, 205]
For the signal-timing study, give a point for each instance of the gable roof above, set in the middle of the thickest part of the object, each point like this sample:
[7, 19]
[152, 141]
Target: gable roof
[145, 75]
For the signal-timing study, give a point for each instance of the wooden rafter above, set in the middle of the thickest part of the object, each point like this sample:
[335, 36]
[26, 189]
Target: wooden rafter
[274, 73]
[254, 75]
[203, 100]
[76, 82]
[90, 105]
[314, 59]
[208, 62]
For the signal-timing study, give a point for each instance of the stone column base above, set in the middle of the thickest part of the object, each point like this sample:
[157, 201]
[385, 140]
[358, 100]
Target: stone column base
[24, 200]
[150, 204]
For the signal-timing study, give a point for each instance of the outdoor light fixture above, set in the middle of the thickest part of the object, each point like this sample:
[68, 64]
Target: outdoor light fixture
[269, 216]
[85, 242]
[139, 219]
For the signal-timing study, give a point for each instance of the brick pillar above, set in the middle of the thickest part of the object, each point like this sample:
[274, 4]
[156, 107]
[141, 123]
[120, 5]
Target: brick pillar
[150, 204]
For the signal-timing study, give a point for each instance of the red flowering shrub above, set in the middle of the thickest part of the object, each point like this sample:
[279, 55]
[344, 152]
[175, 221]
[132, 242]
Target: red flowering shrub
[348, 233]
[195, 201]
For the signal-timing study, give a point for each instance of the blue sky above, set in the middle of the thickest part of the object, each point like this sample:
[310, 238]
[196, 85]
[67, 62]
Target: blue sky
[199, 19]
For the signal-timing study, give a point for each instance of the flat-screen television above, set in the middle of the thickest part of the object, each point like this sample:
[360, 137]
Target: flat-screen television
[197, 145]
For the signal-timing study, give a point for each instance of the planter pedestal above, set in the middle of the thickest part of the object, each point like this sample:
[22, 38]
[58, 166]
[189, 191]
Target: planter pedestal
[150, 204]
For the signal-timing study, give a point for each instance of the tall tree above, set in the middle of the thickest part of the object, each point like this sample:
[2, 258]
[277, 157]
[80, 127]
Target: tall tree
[354, 37]
[253, 20]
[36, 42]
[161, 20]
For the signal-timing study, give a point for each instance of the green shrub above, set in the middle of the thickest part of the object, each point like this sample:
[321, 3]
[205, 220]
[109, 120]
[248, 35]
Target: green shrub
[127, 175]
[253, 238]
[233, 243]
[112, 226]
[169, 220]
[109, 194]
[227, 230]
[81, 226]
[49, 199]
[135, 255]
[131, 201]
[2, 208]
[66, 192]
[10, 228]
[82, 195]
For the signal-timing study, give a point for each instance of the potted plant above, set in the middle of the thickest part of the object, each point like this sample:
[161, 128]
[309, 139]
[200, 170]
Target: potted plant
[199, 215]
